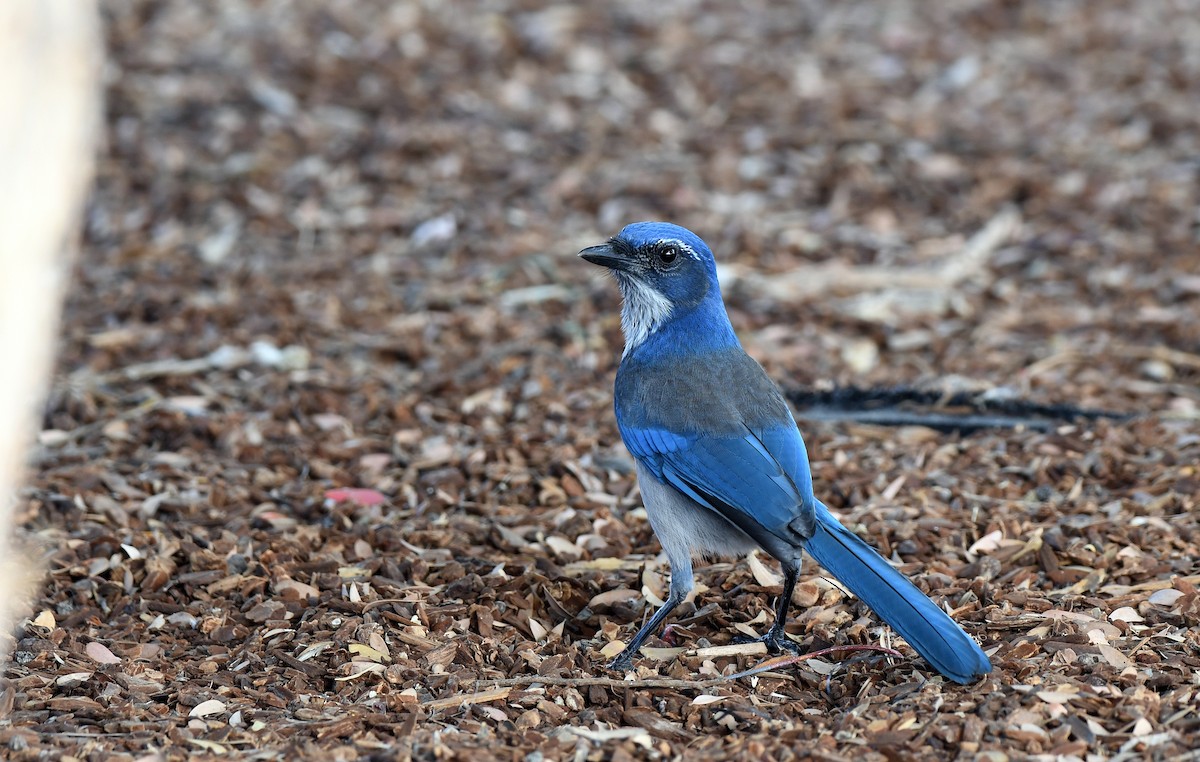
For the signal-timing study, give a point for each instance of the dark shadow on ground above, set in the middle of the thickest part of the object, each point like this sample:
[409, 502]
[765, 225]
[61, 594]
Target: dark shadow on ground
[962, 412]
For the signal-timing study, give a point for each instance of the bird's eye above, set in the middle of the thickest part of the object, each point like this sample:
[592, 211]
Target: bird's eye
[667, 254]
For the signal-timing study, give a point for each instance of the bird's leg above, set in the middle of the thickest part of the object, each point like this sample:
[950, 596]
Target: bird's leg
[624, 660]
[776, 640]
[681, 585]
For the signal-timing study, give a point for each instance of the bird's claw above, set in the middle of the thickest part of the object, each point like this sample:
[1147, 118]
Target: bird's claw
[776, 642]
[623, 662]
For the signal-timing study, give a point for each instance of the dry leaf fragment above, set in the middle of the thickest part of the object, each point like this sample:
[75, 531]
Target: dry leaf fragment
[821, 667]
[74, 704]
[491, 712]
[1125, 614]
[1100, 632]
[265, 610]
[367, 652]
[762, 575]
[637, 735]
[316, 649]
[1114, 657]
[706, 699]
[99, 653]
[359, 668]
[601, 564]
[443, 655]
[746, 629]
[806, 594]
[189, 404]
[1073, 616]
[651, 598]
[331, 421]
[72, 680]
[988, 543]
[563, 547]
[376, 641]
[290, 589]
[611, 597]
[661, 654]
[612, 649]
[207, 708]
[45, 619]
[654, 585]
[158, 572]
[893, 489]
[1060, 694]
[1166, 597]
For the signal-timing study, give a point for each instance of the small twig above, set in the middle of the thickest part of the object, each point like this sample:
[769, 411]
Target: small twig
[813, 281]
[1066, 357]
[478, 697]
[610, 682]
[784, 661]
[1164, 354]
[387, 601]
[987, 499]
[142, 408]
[171, 367]
[605, 682]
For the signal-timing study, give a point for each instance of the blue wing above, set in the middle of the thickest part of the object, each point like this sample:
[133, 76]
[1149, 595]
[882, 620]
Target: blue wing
[759, 480]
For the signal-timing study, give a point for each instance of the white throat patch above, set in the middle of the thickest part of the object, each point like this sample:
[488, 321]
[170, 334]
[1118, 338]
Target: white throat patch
[643, 310]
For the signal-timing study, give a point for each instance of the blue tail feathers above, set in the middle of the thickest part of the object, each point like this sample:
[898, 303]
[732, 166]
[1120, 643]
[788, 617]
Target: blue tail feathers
[925, 626]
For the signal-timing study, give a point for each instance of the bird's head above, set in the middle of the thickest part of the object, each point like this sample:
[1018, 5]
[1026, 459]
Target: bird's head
[663, 271]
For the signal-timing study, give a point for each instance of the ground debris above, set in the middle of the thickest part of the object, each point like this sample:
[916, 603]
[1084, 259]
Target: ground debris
[330, 470]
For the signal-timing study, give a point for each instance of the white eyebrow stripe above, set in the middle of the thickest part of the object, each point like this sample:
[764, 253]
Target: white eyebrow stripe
[682, 246]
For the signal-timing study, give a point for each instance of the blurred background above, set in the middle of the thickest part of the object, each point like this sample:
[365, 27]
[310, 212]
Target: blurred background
[342, 165]
[332, 245]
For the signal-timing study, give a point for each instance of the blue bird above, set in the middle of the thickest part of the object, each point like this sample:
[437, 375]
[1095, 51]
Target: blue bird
[720, 462]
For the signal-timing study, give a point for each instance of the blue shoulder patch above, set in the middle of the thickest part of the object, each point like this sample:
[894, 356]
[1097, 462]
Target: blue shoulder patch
[644, 442]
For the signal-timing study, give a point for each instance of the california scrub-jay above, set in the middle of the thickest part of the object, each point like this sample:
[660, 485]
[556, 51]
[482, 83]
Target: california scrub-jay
[720, 461]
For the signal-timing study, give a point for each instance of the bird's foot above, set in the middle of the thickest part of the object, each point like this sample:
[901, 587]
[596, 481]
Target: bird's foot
[623, 662]
[776, 641]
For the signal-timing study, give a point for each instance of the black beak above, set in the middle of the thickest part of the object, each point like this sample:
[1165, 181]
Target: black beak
[605, 255]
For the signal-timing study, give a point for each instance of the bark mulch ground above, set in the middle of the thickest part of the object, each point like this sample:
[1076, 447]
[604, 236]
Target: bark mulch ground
[329, 469]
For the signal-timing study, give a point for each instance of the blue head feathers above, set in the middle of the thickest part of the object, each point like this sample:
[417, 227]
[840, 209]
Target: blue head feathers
[665, 273]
